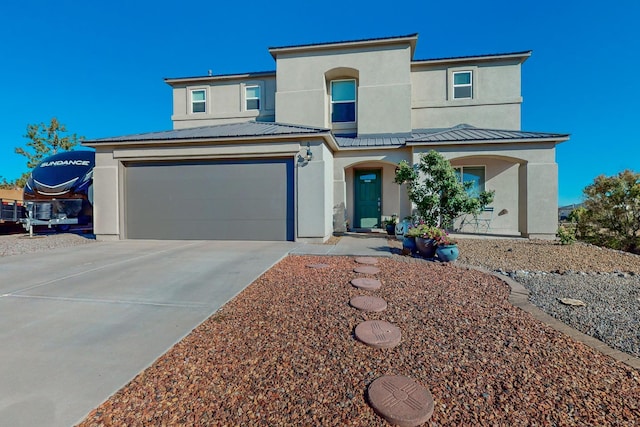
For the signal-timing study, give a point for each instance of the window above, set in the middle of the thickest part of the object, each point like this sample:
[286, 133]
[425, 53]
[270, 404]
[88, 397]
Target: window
[252, 97]
[474, 175]
[463, 85]
[343, 101]
[198, 101]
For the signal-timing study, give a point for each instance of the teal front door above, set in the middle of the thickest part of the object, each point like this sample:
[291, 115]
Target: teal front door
[367, 193]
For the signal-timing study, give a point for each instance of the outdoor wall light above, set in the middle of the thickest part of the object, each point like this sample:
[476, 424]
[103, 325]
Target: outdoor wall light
[309, 154]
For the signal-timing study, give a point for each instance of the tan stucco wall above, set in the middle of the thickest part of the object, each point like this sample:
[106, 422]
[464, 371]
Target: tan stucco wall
[501, 176]
[498, 116]
[496, 96]
[315, 193]
[384, 87]
[225, 102]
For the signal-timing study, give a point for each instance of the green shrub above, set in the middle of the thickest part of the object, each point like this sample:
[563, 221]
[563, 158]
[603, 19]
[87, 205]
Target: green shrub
[566, 235]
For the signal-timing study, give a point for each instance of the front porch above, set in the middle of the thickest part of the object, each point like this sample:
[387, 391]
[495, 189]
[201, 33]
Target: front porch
[365, 194]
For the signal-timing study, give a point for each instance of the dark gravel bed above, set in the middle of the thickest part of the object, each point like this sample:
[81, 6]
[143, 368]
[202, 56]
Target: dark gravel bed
[283, 353]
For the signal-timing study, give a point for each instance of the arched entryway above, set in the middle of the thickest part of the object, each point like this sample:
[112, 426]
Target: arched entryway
[371, 195]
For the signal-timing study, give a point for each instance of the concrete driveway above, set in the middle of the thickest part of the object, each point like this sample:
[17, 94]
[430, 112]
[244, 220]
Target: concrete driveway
[77, 324]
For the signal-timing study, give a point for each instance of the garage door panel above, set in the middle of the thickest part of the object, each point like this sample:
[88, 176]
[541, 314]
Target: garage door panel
[231, 200]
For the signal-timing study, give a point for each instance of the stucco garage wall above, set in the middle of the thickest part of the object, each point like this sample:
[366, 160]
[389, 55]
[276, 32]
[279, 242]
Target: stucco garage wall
[110, 184]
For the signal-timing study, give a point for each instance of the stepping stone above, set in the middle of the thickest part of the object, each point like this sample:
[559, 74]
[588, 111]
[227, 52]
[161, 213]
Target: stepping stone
[367, 303]
[367, 269]
[400, 400]
[367, 260]
[366, 283]
[317, 265]
[378, 334]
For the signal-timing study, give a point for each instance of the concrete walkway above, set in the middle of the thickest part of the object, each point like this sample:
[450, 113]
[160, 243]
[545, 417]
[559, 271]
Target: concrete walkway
[350, 244]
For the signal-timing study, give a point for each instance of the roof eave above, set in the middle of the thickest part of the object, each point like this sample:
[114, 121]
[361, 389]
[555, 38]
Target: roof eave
[557, 140]
[222, 77]
[204, 140]
[411, 39]
[522, 56]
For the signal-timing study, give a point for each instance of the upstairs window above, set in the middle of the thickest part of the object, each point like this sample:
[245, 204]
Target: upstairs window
[473, 174]
[252, 97]
[463, 85]
[198, 101]
[343, 101]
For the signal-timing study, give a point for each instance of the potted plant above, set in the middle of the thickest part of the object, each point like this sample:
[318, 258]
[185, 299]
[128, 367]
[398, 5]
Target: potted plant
[447, 248]
[390, 224]
[409, 239]
[427, 239]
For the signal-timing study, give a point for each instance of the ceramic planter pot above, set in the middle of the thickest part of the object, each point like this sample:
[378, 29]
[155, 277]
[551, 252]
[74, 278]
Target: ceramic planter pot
[426, 247]
[401, 228]
[447, 253]
[391, 229]
[409, 245]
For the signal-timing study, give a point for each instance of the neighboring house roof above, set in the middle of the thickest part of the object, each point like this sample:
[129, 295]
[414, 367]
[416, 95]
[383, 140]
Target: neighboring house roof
[249, 129]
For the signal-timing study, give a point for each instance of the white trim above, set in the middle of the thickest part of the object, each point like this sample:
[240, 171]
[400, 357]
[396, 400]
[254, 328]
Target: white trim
[192, 102]
[464, 85]
[484, 179]
[246, 98]
[355, 100]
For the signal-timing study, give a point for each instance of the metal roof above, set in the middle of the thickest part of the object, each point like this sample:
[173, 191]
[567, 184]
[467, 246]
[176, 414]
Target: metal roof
[461, 134]
[468, 134]
[383, 140]
[522, 54]
[458, 134]
[232, 130]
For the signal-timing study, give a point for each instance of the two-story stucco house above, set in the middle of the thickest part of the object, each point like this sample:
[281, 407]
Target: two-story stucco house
[305, 150]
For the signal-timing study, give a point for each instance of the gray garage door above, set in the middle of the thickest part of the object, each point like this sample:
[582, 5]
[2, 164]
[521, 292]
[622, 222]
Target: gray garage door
[225, 200]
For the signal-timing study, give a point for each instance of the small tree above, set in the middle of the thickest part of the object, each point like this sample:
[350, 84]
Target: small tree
[437, 192]
[44, 141]
[613, 209]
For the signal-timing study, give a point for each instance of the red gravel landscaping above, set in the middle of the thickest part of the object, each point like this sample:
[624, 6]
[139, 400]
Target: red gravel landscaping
[283, 353]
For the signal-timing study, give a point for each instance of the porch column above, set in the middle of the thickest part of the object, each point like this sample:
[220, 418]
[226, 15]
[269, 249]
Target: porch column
[539, 191]
[340, 200]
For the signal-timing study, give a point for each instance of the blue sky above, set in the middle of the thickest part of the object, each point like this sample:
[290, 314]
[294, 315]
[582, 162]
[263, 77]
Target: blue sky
[99, 66]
